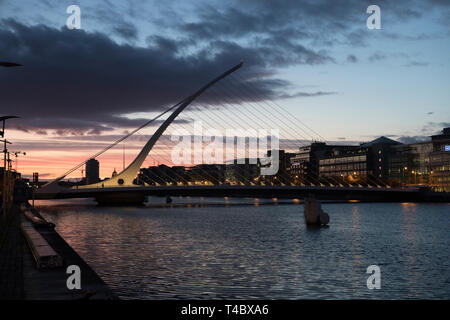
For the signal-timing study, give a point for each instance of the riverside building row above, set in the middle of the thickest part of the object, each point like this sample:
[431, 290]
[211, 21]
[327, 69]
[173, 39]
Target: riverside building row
[382, 161]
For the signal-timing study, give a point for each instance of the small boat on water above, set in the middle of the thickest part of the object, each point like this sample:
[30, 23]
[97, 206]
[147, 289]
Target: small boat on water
[314, 215]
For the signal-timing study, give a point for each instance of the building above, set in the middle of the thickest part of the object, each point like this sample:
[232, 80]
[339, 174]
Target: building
[305, 164]
[92, 171]
[283, 175]
[420, 169]
[367, 163]
[242, 173]
[207, 174]
[400, 165]
[379, 151]
[344, 164]
[163, 175]
[440, 161]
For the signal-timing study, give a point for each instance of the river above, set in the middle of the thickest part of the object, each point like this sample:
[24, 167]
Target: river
[216, 248]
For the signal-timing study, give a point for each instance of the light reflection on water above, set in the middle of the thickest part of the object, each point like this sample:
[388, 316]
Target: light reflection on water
[250, 248]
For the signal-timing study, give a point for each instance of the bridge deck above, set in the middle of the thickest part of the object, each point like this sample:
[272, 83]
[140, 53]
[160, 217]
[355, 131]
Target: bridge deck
[321, 192]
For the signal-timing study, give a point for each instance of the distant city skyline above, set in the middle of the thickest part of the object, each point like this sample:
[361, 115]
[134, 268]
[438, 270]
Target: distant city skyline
[80, 89]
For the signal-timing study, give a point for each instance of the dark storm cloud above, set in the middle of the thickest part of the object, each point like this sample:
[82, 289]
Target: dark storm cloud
[441, 2]
[76, 82]
[321, 22]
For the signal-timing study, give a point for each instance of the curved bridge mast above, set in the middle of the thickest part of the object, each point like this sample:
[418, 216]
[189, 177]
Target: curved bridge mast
[127, 176]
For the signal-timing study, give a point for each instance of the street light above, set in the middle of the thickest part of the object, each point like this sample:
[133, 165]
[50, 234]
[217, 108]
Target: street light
[3, 119]
[16, 154]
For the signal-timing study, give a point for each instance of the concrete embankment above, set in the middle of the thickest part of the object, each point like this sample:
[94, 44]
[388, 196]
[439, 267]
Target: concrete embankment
[23, 277]
[11, 256]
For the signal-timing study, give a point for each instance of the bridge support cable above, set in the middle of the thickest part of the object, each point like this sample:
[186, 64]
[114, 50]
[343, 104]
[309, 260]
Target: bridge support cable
[204, 172]
[282, 134]
[268, 110]
[183, 179]
[223, 119]
[126, 177]
[258, 111]
[114, 143]
[166, 159]
[369, 180]
[261, 120]
[283, 122]
[248, 100]
[290, 119]
[163, 178]
[267, 98]
[238, 110]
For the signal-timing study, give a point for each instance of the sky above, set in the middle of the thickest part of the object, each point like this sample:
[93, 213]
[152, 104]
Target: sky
[81, 89]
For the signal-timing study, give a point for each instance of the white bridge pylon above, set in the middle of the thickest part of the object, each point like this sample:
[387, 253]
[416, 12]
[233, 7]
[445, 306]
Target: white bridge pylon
[128, 175]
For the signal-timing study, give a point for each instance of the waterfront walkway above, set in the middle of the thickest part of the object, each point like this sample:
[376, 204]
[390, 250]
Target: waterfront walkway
[21, 279]
[11, 256]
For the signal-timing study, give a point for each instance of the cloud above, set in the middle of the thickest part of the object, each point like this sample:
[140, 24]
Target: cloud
[126, 30]
[377, 57]
[75, 82]
[319, 22]
[429, 129]
[306, 94]
[433, 128]
[352, 58]
[416, 64]
[412, 139]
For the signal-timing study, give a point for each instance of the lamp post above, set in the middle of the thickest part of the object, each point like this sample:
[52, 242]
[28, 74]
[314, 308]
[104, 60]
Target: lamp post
[6, 183]
[404, 169]
[16, 155]
[5, 176]
[6, 64]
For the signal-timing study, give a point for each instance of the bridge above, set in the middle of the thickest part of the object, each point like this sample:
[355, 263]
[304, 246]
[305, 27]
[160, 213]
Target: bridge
[136, 194]
[122, 188]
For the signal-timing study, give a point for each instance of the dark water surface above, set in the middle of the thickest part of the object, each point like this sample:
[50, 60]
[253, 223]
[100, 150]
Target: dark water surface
[233, 249]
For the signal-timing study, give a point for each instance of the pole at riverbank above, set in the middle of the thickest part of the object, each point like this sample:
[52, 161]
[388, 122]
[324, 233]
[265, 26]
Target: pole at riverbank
[5, 196]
